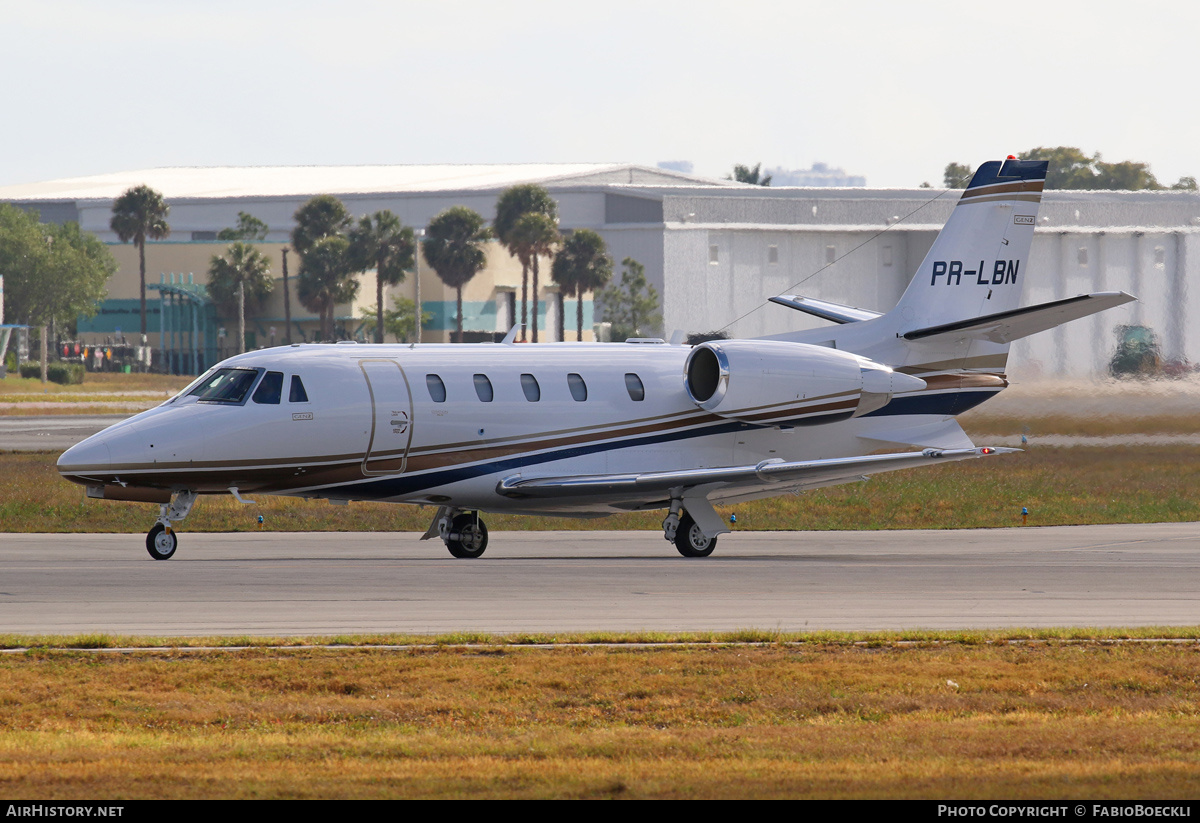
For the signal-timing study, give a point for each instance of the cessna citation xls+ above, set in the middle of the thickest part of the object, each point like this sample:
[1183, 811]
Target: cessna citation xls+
[587, 429]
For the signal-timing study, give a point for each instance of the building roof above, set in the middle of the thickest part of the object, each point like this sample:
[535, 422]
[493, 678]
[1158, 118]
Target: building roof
[291, 181]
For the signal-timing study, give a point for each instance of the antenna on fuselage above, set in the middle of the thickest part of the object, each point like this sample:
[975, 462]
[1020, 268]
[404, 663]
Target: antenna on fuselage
[511, 337]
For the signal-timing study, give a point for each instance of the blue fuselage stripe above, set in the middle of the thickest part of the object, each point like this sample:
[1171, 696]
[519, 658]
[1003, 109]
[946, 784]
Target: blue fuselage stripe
[405, 485]
[410, 485]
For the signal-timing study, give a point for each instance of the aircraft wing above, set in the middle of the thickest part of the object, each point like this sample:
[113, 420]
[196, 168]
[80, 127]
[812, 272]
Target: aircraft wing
[796, 475]
[1006, 326]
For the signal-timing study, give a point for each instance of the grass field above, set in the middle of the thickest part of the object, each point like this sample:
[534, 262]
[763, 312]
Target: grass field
[830, 718]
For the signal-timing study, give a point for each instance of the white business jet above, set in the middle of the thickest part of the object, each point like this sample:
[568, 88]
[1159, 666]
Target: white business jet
[588, 429]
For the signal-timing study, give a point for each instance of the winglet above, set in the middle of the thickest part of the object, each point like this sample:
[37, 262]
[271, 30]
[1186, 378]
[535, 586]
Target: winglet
[511, 337]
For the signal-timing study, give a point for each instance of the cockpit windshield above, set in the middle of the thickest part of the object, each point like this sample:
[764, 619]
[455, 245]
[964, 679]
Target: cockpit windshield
[226, 386]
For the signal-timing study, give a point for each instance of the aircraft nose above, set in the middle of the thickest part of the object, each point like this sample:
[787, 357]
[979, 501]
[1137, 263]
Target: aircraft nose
[88, 455]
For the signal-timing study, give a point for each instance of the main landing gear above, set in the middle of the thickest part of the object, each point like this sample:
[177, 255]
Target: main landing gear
[161, 541]
[686, 534]
[464, 533]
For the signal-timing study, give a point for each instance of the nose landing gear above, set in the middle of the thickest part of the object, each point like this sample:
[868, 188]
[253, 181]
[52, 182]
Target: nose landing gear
[161, 541]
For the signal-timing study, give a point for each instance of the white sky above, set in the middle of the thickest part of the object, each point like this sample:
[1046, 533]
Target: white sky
[889, 90]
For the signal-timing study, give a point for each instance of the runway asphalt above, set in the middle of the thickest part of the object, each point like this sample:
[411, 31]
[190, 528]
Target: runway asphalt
[328, 584]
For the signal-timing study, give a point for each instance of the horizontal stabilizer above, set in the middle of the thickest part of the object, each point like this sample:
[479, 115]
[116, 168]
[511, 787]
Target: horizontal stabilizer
[824, 309]
[1006, 326]
[805, 473]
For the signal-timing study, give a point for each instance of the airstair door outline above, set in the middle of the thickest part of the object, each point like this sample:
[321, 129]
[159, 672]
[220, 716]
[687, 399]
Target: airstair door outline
[391, 419]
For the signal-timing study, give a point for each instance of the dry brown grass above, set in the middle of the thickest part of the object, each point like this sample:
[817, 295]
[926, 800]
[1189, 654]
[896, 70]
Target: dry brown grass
[100, 393]
[160, 385]
[1039, 720]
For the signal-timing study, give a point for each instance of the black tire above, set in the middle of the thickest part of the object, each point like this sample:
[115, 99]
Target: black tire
[471, 536]
[690, 541]
[161, 542]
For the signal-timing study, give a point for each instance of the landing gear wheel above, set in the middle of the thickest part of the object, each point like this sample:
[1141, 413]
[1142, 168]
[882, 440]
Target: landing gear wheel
[690, 541]
[468, 536]
[161, 542]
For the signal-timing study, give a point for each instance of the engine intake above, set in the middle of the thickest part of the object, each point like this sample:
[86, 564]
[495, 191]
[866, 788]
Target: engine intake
[771, 382]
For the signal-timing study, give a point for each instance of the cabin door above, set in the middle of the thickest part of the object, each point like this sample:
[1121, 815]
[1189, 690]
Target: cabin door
[391, 421]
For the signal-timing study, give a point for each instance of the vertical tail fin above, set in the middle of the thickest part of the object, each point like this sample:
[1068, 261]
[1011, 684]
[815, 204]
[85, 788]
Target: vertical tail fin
[977, 264]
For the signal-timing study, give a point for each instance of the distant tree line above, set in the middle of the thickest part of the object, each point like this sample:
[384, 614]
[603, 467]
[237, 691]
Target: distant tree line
[333, 248]
[1070, 168]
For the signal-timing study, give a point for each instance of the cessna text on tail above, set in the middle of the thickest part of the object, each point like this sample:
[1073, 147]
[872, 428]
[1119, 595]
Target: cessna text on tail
[591, 429]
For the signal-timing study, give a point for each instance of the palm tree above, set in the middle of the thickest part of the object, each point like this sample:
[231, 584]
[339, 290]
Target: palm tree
[512, 204]
[453, 248]
[383, 243]
[745, 174]
[325, 279]
[243, 276]
[534, 235]
[583, 265]
[322, 216]
[138, 214]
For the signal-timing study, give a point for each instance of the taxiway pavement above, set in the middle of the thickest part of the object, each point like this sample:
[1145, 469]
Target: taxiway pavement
[327, 584]
[51, 432]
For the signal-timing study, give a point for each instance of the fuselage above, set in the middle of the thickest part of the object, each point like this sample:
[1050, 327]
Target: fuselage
[444, 424]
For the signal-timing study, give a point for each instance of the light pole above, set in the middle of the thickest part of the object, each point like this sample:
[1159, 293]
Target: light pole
[418, 234]
[287, 305]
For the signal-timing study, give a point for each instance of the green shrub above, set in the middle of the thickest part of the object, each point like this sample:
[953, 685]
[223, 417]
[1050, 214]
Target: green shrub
[65, 374]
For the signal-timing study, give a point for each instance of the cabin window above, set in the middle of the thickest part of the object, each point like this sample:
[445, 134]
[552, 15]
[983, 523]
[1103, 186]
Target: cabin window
[483, 388]
[633, 385]
[270, 389]
[773, 255]
[577, 386]
[226, 386]
[437, 389]
[529, 385]
[297, 394]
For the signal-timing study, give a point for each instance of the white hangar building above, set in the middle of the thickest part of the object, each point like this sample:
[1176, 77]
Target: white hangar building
[714, 249]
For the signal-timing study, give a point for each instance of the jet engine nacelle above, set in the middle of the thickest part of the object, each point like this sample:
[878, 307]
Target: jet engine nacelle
[763, 381]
